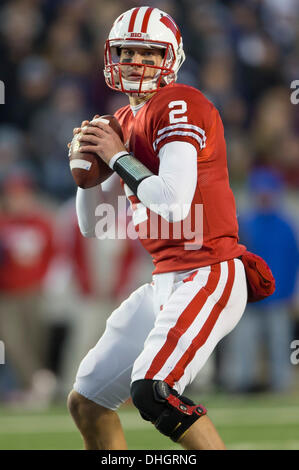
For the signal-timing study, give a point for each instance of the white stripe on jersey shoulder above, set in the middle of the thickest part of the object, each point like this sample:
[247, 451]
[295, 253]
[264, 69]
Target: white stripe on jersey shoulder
[201, 142]
[184, 126]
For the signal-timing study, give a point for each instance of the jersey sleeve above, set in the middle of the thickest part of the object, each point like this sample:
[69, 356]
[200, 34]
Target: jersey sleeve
[182, 114]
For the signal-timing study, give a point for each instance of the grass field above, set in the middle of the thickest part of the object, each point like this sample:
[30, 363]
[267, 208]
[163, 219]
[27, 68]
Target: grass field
[255, 422]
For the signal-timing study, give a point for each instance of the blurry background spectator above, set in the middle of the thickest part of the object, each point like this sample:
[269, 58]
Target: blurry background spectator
[27, 249]
[266, 330]
[242, 55]
[49, 126]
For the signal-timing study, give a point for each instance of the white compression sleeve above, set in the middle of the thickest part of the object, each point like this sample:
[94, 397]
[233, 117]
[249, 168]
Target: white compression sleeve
[173, 189]
[87, 201]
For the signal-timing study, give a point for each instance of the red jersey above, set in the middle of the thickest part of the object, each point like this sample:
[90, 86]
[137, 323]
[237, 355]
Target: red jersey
[182, 113]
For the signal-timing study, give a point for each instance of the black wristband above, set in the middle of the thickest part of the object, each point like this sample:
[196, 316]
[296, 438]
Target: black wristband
[132, 171]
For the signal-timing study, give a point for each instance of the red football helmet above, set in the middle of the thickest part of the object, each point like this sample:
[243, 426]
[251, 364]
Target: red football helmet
[143, 27]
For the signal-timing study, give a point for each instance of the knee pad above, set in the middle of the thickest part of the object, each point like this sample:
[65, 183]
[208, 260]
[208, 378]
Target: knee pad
[172, 414]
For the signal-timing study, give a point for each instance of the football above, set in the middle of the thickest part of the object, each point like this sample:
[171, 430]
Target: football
[88, 169]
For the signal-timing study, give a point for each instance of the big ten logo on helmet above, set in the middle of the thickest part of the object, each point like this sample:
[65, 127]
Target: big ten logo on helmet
[295, 354]
[2, 92]
[136, 35]
[295, 93]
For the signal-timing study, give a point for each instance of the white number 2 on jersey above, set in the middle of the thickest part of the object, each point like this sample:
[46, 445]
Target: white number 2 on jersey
[176, 112]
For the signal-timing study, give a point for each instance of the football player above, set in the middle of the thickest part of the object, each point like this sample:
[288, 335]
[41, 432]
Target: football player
[173, 168]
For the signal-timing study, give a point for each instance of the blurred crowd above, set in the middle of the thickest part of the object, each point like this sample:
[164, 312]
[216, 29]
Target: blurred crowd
[55, 289]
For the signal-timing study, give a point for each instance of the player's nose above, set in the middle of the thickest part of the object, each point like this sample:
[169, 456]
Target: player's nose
[137, 58]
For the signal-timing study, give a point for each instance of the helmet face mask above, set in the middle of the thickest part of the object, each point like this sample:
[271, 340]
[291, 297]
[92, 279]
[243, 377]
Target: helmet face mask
[152, 76]
[161, 35]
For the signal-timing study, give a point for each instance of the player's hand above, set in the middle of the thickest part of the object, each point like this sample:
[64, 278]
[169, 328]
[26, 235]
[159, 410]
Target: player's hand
[101, 139]
[77, 130]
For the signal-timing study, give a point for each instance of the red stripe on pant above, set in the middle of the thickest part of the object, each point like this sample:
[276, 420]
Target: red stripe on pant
[205, 331]
[184, 321]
